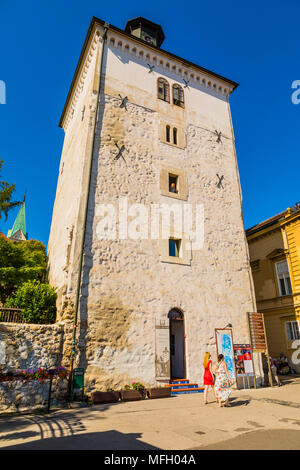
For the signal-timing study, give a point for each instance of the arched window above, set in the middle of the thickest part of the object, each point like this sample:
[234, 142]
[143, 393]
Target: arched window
[174, 136]
[163, 90]
[168, 133]
[178, 96]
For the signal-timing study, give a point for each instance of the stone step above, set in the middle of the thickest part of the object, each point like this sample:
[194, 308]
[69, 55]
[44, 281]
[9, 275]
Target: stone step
[182, 385]
[187, 390]
[179, 381]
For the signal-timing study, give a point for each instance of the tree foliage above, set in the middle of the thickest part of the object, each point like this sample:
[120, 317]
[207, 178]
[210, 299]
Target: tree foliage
[6, 192]
[38, 301]
[20, 262]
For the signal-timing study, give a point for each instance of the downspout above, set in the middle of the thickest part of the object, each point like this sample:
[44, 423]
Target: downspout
[78, 288]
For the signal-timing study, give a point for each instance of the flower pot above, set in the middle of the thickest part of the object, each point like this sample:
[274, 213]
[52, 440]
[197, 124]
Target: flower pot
[105, 397]
[62, 376]
[132, 395]
[159, 392]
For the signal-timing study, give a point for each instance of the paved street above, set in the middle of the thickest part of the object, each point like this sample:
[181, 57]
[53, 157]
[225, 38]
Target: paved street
[258, 419]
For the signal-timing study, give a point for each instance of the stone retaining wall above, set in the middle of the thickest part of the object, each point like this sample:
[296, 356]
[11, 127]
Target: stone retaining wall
[26, 346]
[18, 395]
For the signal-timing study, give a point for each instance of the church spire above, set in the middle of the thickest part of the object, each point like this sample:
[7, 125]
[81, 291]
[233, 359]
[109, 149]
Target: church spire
[18, 232]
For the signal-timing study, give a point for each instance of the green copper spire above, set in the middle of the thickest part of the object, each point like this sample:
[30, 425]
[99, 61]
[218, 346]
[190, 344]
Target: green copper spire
[18, 232]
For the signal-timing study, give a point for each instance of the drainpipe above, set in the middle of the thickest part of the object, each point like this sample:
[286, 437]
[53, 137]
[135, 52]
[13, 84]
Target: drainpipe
[104, 37]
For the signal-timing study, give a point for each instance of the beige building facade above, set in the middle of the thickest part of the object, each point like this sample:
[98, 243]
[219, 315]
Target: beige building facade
[274, 247]
[147, 133]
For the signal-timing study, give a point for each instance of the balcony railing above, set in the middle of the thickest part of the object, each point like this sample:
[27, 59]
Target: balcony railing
[11, 315]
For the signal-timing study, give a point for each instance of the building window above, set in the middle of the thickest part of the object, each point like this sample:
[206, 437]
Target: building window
[255, 265]
[174, 136]
[163, 90]
[168, 133]
[283, 277]
[292, 330]
[178, 96]
[171, 134]
[173, 183]
[174, 247]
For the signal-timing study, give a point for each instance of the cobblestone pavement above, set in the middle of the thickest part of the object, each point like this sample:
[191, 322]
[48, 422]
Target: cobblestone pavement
[266, 418]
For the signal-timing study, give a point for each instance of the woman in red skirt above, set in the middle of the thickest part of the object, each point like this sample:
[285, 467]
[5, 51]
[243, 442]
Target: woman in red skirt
[208, 375]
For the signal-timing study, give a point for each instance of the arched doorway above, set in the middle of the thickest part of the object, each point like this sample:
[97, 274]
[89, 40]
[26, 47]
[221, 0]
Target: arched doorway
[177, 343]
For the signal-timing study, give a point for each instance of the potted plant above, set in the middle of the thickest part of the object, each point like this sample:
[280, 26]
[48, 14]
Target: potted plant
[136, 392]
[41, 374]
[61, 372]
[159, 392]
[110, 396]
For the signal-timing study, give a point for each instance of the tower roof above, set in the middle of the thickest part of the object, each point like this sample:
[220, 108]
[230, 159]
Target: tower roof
[136, 26]
[18, 232]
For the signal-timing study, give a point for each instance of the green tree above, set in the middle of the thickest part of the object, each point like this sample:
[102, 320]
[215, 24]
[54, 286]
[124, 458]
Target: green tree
[6, 192]
[20, 262]
[38, 301]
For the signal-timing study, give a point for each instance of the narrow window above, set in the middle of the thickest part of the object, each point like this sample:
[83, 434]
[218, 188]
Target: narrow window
[174, 247]
[292, 330]
[178, 96]
[283, 278]
[168, 133]
[174, 136]
[163, 88]
[173, 183]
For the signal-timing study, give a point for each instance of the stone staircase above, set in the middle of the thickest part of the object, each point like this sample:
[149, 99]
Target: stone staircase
[181, 386]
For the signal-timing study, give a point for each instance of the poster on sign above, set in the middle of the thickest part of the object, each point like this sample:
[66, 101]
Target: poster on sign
[243, 359]
[225, 346]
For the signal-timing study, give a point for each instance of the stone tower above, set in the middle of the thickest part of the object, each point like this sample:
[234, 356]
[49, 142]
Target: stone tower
[147, 134]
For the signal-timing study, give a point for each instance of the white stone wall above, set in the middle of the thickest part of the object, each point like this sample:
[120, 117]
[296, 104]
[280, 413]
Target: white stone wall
[126, 288]
[67, 211]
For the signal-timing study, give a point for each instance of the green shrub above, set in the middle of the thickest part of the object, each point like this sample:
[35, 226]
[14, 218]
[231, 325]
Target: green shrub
[38, 301]
[20, 262]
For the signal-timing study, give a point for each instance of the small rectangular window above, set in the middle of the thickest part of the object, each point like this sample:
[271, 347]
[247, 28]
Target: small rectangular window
[168, 133]
[283, 278]
[174, 136]
[292, 330]
[174, 247]
[173, 183]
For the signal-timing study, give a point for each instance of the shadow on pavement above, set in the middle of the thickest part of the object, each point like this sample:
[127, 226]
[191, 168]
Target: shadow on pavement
[106, 440]
[54, 424]
[236, 402]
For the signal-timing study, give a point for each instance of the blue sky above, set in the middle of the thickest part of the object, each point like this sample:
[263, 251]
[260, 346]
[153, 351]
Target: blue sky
[255, 44]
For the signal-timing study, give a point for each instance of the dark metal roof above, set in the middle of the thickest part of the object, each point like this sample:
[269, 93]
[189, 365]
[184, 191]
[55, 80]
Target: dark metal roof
[140, 20]
[264, 224]
[272, 220]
